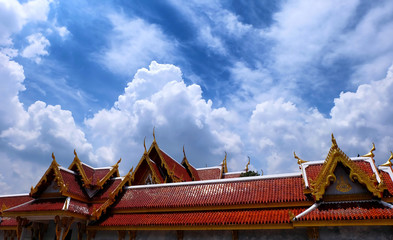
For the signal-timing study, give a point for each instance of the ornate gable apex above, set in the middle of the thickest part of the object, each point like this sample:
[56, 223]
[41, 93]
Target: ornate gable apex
[76, 166]
[326, 175]
[51, 174]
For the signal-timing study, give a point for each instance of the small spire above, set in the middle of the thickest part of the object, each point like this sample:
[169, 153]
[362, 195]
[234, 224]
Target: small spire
[370, 154]
[388, 163]
[334, 143]
[184, 152]
[248, 163]
[144, 145]
[154, 135]
[224, 163]
[54, 159]
[131, 170]
[117, 163]
[299, 161]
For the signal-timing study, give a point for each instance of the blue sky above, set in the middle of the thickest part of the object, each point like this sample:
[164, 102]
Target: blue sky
[250, 78]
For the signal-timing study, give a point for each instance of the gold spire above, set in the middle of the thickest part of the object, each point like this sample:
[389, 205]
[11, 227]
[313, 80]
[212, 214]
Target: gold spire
[370, 154]
[154, 135]
[388, 163]
[184, 153]
[224, 163]
[117, 164]
[299, 161]
[144, 145]
[248, 163]
[334, 143]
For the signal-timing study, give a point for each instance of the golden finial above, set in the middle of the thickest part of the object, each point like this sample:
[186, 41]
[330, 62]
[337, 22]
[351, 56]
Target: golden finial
[184, 152]
[261, 172]
[154, 135]
[248, 163]
[117, 163]
[334, 143]
[370, 154]
[144, 145]
[224, 163]
[388, 163]
[299, 161]
[132, 169]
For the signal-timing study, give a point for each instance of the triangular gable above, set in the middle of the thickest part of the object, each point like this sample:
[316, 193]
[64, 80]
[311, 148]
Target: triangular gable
[173, 171]
[93, 178]
[76, 165]
[145, 164]
[326, 176]
[51, 174]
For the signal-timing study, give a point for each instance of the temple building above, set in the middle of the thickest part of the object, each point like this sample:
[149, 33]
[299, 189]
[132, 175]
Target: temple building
[339, 197]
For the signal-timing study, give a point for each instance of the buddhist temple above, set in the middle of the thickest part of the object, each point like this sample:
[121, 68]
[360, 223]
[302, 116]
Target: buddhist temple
[161, 198]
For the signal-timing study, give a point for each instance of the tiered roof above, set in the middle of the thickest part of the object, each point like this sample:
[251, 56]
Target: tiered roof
[213, 198]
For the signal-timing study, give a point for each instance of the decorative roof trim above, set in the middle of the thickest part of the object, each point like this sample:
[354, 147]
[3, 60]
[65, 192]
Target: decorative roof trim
[66, 204]
[112, 196]
[208, 168]
[387, 170]
[315, 205]
[58, 178]
[326, 175]
[114, 170]
[15, 195]
[240, 179]
[76, 162]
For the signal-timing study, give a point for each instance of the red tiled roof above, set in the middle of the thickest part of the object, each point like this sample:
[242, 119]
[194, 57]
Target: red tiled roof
[257, 191]
[177, 168]
[388, 181]
[266, 216]
[52, 204]
[231, 175]
[349, 211]
[78, 207]
[209, 173]
[8, 222]
[110, 186]
[313, 170]
[11, 201]
[73, 186]
[95, 174]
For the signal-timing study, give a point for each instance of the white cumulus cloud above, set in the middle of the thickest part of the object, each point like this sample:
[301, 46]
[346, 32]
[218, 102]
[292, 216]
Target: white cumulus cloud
[37, 48]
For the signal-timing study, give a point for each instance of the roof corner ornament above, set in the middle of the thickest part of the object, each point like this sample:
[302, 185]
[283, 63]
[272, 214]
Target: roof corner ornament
[388, 163]
[117, 163]
[76, 156]
[54, 159]
[154, 135]
[184, 153]
[299, 160]
[370, 154]
[248, 163]
[334, 143]
[224, 163]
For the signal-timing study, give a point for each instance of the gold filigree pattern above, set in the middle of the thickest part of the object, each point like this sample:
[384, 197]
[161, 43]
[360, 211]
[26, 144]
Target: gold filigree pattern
[343, 185]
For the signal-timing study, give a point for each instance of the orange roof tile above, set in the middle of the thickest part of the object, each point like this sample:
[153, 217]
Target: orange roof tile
[348, 211]
[250, 191]
[211, 218]
[209, 173]
[178, 170]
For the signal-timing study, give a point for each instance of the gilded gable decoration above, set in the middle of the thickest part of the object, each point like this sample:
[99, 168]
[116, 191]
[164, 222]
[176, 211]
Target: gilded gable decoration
[76, 163]
[388, 163]
[327, 176]
[371, 153]
[248, 163]
[299, 161]
[53, 168]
